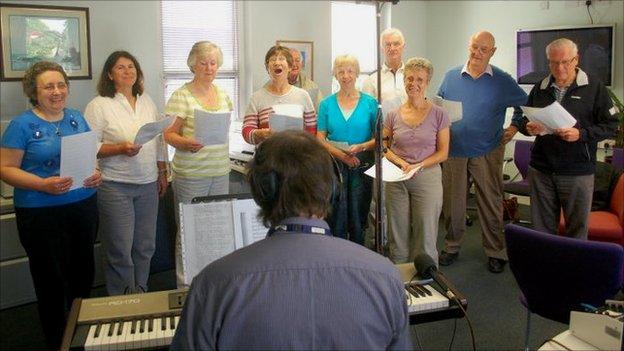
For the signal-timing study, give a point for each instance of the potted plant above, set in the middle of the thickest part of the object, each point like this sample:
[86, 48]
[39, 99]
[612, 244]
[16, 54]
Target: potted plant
[619, 134]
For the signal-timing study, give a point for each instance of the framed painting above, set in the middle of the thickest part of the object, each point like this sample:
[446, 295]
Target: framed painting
[306, 48]
[32, 33]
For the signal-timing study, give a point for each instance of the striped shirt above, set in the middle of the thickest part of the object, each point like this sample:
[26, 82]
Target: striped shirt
[209, 161]
[261, 106]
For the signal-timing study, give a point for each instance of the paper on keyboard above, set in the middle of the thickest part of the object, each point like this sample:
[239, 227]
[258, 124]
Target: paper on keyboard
[390, 172]
[553, 116]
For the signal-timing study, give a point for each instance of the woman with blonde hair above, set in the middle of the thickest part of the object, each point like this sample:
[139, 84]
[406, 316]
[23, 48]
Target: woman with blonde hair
[198, 170]
[346, 123]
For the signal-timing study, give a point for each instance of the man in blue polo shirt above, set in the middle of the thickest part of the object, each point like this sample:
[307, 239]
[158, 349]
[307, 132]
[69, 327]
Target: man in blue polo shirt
[477, 148]
[300, 288]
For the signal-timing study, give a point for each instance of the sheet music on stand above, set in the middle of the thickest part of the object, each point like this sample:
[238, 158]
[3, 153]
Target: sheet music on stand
[214, 226]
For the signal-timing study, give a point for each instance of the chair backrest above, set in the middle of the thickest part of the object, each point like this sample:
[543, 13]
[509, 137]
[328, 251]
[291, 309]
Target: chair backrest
[617, 200]
[522, 156]
[618, 158]
[556, 274]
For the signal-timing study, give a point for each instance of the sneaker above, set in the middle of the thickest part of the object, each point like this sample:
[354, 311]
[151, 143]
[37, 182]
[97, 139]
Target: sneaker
[447, 258]
[496, 265]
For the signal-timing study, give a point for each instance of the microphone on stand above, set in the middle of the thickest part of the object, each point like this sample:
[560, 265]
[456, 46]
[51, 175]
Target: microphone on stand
[427, 269]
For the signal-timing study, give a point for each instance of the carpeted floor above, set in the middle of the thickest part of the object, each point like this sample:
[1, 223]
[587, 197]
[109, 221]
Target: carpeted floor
[498, 318]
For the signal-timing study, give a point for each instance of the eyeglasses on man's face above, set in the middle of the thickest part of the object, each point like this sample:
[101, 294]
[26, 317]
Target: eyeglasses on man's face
[564, 63]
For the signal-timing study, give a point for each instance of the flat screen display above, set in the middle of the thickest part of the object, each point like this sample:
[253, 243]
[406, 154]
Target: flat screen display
[595, 48]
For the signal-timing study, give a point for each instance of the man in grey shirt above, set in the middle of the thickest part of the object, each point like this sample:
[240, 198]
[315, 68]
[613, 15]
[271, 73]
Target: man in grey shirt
[300, 288]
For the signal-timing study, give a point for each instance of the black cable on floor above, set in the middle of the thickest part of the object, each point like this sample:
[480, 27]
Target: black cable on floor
[474, 344]
[453, 335]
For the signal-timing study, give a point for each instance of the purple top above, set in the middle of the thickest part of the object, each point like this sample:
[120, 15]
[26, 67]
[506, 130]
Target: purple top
[414, 144]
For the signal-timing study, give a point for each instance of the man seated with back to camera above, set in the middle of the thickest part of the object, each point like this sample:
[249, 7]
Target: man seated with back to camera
[300, 287]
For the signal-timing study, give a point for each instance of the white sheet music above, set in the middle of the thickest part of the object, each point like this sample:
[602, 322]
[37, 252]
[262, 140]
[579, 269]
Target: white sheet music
[248, 226]
[390, 172]
[553, 116]
[453, 108]
[212, 128]
[78, 157]
[150, 130]
[292, 110]
[207, 235]
[278, 123]
[211, 230]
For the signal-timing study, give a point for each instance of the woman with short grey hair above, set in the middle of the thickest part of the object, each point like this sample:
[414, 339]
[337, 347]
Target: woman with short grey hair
[417, 136]
[198, 170]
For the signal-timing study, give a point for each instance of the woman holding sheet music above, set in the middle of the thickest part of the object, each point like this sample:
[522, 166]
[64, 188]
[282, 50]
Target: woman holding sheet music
[278, 62]
[198, 170]
[57, 226]
[346, 122]
[133, 175]
[417, 135]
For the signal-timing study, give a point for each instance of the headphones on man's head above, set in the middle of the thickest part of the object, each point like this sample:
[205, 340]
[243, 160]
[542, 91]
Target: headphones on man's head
[267, 185]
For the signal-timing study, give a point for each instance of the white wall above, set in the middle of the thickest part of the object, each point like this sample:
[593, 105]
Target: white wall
[451, 23]
[114, 25]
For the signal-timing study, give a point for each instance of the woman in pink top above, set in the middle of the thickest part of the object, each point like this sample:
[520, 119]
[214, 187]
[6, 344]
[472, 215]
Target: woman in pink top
[417, 137]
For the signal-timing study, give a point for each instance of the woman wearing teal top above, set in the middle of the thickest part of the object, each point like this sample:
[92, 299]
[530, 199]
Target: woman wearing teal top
[346, 122]
[56, 225]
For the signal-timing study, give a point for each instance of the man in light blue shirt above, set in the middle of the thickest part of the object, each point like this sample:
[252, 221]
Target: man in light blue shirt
[477, 148]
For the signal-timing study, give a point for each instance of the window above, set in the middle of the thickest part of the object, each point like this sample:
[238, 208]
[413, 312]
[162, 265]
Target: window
[183, 26]
[354, 32]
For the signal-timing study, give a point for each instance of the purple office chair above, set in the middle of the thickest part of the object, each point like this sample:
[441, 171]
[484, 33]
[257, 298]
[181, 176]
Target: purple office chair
[521, 158]
[557, 274]
[618, 158]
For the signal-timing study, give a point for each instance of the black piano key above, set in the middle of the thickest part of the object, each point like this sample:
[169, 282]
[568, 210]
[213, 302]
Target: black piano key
[133, 327]
[141, 326]
[163, 323]
[97, 330]
[427, 291]
[413, 291]
[150, 325]
[171, 323]
[418, 291]
[111, 328]
[120, 330]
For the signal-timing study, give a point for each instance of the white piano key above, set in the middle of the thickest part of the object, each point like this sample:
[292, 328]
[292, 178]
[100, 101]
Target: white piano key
[113, 339]
[90, 342]
[144, 334]
[157, 334]
[168, 332]
[103, 338]
[125, 342]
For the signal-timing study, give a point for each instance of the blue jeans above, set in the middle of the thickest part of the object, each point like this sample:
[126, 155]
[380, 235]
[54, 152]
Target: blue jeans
[128, 214]
[348, 216]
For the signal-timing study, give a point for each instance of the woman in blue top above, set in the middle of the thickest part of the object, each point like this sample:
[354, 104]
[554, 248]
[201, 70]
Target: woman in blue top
[57, 226]
[346, 121]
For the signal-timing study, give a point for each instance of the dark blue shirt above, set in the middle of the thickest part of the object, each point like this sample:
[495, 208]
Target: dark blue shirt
[299, 292]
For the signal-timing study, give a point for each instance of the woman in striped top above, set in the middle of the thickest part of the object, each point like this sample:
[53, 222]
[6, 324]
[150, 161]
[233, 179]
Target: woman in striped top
[278, 62]
[198, 170]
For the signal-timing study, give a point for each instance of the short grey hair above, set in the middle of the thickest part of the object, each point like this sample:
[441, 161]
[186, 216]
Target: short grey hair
[345, 60]
[202, 49]
[419, 63]
[561, 43]
[388, 32]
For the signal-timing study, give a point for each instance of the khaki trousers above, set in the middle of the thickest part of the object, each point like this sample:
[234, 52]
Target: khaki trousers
[487, 174]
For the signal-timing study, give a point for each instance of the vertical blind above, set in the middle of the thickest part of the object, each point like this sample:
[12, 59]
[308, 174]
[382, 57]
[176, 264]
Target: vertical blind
[187, 22]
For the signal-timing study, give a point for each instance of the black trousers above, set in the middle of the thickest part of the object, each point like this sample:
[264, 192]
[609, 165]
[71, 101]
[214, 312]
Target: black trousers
[59, 243]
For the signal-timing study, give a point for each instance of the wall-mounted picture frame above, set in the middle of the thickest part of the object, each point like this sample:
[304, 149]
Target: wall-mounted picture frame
[306, 48]
[32, 33]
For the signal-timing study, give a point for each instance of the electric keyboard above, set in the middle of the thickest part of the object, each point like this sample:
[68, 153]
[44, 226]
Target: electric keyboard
[126, 322]
[427, 304]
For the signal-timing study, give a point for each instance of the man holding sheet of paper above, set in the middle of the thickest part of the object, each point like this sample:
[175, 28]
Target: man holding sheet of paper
[563, 158]
[201, 165]
[478, 147]
[291, 107]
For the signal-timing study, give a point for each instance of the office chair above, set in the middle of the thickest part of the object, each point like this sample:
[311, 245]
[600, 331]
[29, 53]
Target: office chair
[557, 274]
[521, 158]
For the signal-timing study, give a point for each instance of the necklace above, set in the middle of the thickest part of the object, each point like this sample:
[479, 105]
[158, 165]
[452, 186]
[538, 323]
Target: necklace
[57, 127]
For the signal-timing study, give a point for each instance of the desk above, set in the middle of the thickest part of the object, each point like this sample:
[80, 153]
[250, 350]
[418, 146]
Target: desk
[569, 340]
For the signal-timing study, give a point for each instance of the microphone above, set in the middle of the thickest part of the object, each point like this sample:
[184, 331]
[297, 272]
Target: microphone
[426, 267]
